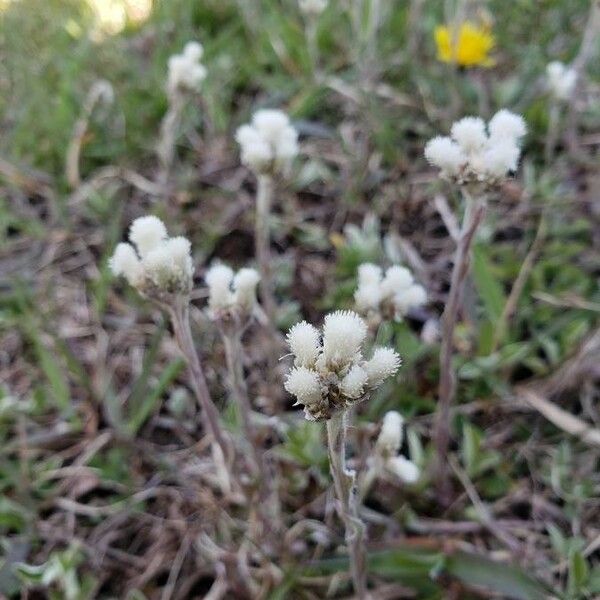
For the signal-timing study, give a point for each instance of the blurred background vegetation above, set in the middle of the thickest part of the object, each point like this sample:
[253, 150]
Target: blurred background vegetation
[91, 382]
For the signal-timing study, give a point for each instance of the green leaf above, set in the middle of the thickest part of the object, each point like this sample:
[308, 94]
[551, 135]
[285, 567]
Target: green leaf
[143, 409]
[499, 578]
[59, 386]
[579, 574]
[471, 446]
[488, 286]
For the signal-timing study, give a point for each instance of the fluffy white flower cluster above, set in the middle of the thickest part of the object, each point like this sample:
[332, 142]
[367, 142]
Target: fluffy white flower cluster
[231, 293]
[561, 80]
[329, 370]
[269, 143]
[387, 459]
[312, 7]
[185, 70]
[389, 296]
[476, 154]
[154, 261]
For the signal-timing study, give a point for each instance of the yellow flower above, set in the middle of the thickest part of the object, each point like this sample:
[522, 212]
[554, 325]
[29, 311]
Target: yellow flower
[472, 45]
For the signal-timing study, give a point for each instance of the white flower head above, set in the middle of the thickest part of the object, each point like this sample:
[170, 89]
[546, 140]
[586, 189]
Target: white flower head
[367, 297]
[501, 158]
[126, 262]
[344, 332]
[561, 80]
[390, 296]
[396, 279]
[186, 73]
[353, 383]
[334, 373]
[180, 250]
[158, 265]
[476, 157]
[404, 469]
[469, 133]
[153, 262]
[405, 300]
[304, 384]
[383, 364]
[193, 51]
[147, 233]
[312, 7]
[386, 459]
[229, 293]
[368, 293]
[368, 273]
[446, 154]
[244, 287]
[304, 342]
[219, 279]
[269, 143]
[507, 126]
[390, 437]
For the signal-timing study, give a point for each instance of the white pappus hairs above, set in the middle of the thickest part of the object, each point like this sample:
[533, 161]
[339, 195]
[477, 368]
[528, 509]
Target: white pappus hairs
[230, 291]
[269, 143]
[330, 373]
[387, 459]
[343, 334]
[383, 364]
[304, 384]
[353, 383]
[475, 153]
[390, 295]
[561, 80]
[125, 262]
[147, 233]
[312, 7]
[186, 73]
[391, 434]
[304, 342]
[469, 133]
[403, 468]
[152, 258]
[244, 285]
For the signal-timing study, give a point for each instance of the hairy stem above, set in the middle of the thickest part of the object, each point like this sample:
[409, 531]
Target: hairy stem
[310, 31]
[181, 324]
[233, 358]
[262, 241]
[552, 133]
[168, 135]
[474, 212]
[344, 482]
[585, 54]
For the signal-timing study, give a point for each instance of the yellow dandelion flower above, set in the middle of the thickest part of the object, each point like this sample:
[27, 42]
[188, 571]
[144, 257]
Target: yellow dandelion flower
[472, 45]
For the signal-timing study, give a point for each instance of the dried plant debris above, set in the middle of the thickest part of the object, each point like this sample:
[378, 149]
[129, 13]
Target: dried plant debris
[197, 236]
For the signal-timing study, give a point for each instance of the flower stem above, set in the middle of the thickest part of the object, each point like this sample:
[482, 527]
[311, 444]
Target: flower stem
[168, 135]
[310, 32]
[344, 482]
[233, 358]
[474, 211]
[264, 199]
[552, 133]
[585, 54]
[180, 312]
